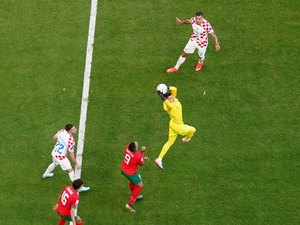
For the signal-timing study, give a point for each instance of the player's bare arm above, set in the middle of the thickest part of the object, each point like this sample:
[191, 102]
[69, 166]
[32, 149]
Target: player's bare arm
[143, 150]
[179, 21]
[217, 44]
[72, 212]
[54, 207]
[73, 158]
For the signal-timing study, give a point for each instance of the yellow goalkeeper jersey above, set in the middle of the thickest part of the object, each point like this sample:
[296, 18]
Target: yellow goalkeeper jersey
[174, 109]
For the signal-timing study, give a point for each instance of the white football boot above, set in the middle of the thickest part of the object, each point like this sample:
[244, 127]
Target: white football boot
[158, 162]
[47, 175]
[83, 188]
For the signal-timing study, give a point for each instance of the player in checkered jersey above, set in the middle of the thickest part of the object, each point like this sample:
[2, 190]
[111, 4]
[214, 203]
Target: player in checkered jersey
[64, 145]
[199, 40]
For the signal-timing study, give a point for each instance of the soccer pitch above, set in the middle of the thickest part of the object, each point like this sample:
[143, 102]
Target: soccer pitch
[242, 165]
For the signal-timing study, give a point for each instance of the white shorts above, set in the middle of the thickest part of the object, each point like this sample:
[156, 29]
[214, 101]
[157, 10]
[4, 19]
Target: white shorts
[63, 163]
[192, 45]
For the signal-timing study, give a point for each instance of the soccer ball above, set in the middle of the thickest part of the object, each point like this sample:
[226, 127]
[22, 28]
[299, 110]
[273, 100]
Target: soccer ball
[162, 88]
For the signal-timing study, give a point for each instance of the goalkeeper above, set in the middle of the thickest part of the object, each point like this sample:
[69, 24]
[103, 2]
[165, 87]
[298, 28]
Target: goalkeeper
[176, 126]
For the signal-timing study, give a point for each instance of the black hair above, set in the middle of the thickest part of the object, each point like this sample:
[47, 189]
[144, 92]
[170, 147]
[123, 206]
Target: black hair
[167, 94]
[77, 183]
[68, 127]
[132, 147]
[199, 13]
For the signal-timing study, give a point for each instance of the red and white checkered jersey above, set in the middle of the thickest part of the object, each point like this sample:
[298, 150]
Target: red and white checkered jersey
[65, 142]
[200, 32]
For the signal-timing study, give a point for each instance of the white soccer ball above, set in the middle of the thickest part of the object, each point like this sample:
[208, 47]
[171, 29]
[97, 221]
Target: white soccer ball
[163, 88]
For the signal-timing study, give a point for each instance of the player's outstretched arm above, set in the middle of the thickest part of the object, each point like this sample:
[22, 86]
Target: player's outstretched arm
[179, 21]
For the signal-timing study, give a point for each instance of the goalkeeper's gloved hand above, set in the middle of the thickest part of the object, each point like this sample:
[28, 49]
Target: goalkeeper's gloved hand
[162, 96]
[168, 87]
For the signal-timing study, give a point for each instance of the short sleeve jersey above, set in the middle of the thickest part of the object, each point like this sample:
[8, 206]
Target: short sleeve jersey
[65, 142]
[200, 32]
[131, 161]
[69, 198]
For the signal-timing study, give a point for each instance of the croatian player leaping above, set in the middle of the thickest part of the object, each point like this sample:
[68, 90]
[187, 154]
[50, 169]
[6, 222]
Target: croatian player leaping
[199, 40]
[176, 126]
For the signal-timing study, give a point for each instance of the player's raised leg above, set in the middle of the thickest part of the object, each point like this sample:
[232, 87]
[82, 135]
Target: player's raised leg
[189, 132]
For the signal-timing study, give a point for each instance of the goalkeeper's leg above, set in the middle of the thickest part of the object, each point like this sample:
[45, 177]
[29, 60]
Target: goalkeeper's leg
[167, 145]
[190, 131]
[186, 131]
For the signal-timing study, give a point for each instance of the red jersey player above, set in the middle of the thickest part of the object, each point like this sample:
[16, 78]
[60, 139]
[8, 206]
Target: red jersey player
[68, 203]
[132, 159]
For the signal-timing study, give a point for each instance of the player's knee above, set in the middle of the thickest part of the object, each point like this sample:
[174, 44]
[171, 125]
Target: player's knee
[70, 170]
[140, 184]
[184, 54]
[193, 130]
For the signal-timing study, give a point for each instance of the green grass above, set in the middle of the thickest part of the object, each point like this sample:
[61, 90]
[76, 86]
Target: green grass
[242, 165]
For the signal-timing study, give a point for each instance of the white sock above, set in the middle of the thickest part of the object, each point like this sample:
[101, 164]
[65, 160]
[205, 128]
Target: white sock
[180, 61]
[72, 176]
[50, 168]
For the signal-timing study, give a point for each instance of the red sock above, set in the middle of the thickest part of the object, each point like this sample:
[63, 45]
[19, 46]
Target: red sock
[135, 193]
[61, 222]
[131, 186]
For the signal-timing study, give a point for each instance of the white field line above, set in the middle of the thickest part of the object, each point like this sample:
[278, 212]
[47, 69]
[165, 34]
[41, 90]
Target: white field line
[86, 85]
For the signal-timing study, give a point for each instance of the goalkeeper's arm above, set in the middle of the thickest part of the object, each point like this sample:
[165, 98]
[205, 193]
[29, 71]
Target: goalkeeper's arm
[173, 91]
